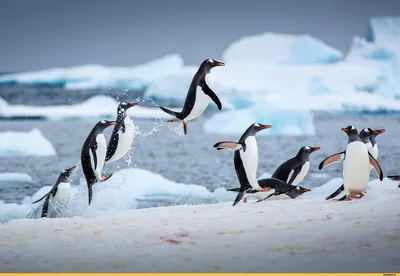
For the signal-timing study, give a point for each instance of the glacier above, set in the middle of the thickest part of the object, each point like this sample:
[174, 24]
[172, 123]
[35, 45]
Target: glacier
[283, 122]
[20, 143]
[278, 49]
[99, 76]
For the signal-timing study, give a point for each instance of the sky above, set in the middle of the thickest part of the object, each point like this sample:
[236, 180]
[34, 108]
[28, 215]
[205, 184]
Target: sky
[39, 34]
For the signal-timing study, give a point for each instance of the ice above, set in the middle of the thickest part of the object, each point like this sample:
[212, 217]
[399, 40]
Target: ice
[97, 107]
[307, 234]
[283, 122]
[31, 143]
[15, 177]
[95, 76]
[384, 29]
[278, 49]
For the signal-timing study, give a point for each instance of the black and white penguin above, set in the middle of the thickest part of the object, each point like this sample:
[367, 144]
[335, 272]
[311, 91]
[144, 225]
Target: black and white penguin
[245, 159]
[295, 169]
[356, 164]
[59, 195]
[199, 95]
[368, 137]
[122, 136]
[93, 155]
[278, 187]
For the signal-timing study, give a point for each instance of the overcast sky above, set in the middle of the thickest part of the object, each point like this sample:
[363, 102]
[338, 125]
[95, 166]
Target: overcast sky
[38, 34]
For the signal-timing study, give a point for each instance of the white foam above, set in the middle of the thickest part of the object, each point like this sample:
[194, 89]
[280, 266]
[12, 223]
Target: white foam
[31, 143]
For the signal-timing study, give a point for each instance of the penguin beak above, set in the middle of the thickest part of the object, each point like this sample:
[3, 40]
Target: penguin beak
[315, 149]
[306, 190]
[71, 169]
[378, 131]
[265, 126]
[345, 130]
[132, 104]
[219, 63]
[111, 123]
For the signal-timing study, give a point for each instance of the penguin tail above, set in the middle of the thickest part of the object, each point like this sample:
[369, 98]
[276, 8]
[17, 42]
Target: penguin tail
[170, 112]
[335, 193]
[177, 118]
[239, 197]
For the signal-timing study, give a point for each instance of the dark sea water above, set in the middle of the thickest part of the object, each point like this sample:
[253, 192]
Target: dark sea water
[187, 159]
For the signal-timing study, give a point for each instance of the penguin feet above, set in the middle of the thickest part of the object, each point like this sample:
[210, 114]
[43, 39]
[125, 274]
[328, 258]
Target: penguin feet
[348, 198]
[106, 177]
[245, 200]
[173, 121]
[263, 189]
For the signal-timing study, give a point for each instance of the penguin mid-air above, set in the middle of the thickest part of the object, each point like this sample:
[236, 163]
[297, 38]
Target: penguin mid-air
[93, 155]
[245, 159]
[122, 136]
[356, 164]
[59, 195]
[368, 137]
[199, 95]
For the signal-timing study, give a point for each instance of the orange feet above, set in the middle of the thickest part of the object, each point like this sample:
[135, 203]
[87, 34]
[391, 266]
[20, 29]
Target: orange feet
[245, 200]
[106, 177]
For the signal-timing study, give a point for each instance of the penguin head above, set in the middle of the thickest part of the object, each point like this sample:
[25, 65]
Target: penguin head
[256, 127]
[305, 151]
[302, 190]
[103, 124]
[122, 107]
[375, 132]
[65, 174]
[369, 134]
[350, 130]
[210, 63]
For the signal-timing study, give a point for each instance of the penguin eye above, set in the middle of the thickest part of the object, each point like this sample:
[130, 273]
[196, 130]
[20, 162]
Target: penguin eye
[307, 148]
[211, 61]
[256, 125]
[103, 122]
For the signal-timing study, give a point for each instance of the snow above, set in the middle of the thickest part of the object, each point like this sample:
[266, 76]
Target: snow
[278, 49]
[283, 122]
[95, 76]
[15, 177]
[307, 234]
[31, 143]
[96, 106]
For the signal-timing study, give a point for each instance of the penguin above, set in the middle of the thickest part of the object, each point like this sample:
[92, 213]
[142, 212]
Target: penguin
[122, 136]
[199, 95]
[278, 187]
[356, 164]
[59, 195]
[368, 137]
[295, 169]
[245, 159]
[394, 178]
[93, 155]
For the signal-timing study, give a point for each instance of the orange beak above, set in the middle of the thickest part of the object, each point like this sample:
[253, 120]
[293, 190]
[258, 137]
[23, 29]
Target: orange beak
[265, 126]
[315, 148]
[219, 63]
[111, 123]
[345, 129]
[72, 168]
[132, 104]
[379, 131]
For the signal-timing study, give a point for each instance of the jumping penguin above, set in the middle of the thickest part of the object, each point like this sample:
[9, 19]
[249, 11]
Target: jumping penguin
[93, 155]
[368, 137]
[199, 95]
[59, 195]
[245, 159]
[356, 165]
[122, 136]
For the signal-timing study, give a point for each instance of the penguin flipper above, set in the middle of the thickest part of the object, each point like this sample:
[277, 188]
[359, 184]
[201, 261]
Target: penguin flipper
[294, 175]
[112, 146]
[335, 193]
[233, 190]
[93, 156]
[343, 198]
[376, 166]
[207, 90]
[334, 158]
[228, 145]
[45, 207]
[239, 197]
[40, 199]
[394, 177]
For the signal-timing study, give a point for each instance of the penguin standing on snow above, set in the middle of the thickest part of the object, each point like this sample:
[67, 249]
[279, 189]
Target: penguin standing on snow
[199, 95]
[356, 164]
[368, 137]
[93, 155]
[245, 159]
[59, 195]
[122, 136]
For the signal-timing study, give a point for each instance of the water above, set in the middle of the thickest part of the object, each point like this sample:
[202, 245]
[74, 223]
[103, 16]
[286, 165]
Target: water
[187, 159]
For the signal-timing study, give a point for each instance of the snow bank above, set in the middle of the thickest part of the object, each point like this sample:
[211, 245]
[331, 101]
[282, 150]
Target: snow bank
[283, 122]
[31, 143]
[97, 106]
[94, 76]
[15, 177]
[301, 235]
[277, 49]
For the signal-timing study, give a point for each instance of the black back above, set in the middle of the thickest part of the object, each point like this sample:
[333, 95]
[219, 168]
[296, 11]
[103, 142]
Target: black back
[281, 187]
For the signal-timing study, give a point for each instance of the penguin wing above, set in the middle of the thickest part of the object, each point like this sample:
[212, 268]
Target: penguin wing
[294, 174]
[376, 166]
[335, 193]
[40, 199]
[93, 156]
[45, 207]
[230, 145]
[207, 90]
[112, 146]
[334, 158]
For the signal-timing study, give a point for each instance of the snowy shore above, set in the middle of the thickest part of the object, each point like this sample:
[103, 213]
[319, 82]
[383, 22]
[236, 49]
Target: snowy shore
[308, 234]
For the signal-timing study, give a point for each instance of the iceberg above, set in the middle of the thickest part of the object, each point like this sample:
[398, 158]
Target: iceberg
[31, 143]
[99, 106]
[15, 177]
[283, 122]
[99, 76]
[278, 49]
[384, 29]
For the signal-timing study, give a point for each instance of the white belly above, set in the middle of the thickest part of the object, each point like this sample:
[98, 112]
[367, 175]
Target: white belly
[302, 174]
[250, 160]
[200, 104]
[100, 154]
[59, 202]
[356, 168]
[125, 140]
